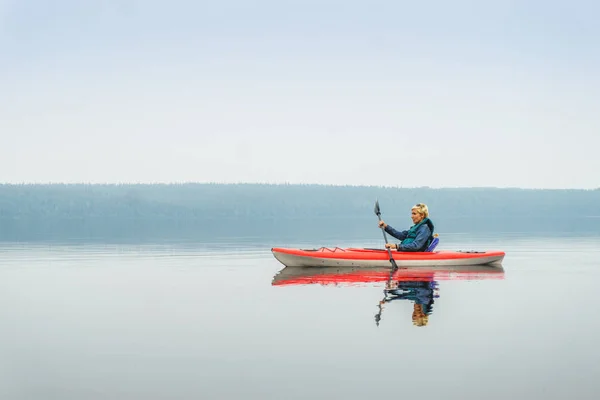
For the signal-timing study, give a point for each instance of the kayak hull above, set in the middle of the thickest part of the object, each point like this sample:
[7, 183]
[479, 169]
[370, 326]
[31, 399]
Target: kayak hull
[372, 258]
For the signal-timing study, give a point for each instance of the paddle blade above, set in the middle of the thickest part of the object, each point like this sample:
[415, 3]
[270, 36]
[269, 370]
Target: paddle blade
[377, 211]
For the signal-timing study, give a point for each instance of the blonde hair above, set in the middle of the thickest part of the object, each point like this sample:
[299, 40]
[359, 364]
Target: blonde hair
[419, 318]
[421, 209]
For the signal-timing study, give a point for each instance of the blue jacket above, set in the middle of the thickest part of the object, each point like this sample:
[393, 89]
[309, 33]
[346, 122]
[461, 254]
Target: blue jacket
[417, 291]
[420, 242]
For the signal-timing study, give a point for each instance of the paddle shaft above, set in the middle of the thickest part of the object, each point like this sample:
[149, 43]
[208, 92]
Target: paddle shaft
[386, 242]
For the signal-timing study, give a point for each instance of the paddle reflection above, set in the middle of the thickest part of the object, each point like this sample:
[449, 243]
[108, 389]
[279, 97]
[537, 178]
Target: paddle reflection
[418, 285]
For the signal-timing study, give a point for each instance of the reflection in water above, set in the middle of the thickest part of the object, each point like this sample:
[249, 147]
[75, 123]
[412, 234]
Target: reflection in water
[418, 285]
[420, 292]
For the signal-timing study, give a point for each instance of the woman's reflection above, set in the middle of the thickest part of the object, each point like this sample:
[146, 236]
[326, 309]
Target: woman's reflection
[421, 292]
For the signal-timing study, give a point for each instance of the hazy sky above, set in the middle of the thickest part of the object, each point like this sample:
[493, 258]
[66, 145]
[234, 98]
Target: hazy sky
[461, 93]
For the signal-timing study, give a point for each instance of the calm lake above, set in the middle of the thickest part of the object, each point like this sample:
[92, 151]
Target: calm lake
[224, 320]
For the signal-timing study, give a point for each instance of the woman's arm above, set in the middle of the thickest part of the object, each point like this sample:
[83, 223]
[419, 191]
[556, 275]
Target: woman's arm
[397, 234]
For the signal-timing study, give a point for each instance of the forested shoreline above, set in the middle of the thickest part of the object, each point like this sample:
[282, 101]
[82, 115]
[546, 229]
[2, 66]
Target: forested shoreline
[42, 211]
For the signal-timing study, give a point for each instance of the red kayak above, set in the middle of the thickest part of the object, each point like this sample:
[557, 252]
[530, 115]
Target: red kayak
[364, 257]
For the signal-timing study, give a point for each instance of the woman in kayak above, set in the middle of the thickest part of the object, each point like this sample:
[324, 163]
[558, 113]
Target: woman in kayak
[418, 237]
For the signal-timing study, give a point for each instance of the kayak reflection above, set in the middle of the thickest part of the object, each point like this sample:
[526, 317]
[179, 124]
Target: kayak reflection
[418, 285]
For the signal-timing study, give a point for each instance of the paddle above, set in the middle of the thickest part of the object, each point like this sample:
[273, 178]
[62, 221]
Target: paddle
[378, 213]
[394, 265]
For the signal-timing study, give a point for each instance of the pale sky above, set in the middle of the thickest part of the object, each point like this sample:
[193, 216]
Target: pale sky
[441, 94]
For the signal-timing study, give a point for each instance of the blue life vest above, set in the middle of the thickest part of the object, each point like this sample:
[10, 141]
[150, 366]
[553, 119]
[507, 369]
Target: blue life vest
[412, 233]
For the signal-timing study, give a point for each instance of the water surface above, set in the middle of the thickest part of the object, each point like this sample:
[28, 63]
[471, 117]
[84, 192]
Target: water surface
[225, 321]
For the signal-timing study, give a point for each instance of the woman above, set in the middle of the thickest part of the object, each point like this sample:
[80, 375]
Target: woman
[418, 237]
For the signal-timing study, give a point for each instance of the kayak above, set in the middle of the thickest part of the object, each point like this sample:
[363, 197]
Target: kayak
[290, 276]
[368, 257]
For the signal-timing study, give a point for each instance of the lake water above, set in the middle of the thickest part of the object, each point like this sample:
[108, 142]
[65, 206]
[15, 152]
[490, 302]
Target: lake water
[223, 321]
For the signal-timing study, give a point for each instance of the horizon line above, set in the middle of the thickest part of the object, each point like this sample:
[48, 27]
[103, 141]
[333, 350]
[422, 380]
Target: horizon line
[258, 183]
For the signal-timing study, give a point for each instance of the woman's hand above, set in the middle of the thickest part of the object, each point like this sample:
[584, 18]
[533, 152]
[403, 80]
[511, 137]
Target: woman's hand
[390, 245]
[382, 224]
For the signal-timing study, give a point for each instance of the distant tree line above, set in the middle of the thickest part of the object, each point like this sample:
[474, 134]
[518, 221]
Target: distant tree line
[26, 209]
[282, 201]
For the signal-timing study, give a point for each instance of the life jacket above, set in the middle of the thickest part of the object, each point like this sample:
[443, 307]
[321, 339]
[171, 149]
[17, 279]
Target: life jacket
[412, 233]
